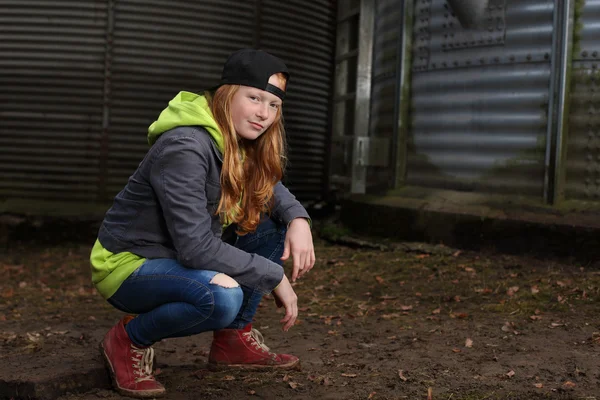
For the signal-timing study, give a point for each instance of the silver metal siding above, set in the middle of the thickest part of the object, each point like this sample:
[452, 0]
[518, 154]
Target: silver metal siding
[302, 34]
[479, 123]
[159, 49]
[583, 145]
[51, 80]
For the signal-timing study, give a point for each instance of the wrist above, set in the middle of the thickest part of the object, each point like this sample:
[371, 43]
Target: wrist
[296, 219]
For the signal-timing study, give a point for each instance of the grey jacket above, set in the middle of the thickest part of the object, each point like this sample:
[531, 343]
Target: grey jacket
[167, 210]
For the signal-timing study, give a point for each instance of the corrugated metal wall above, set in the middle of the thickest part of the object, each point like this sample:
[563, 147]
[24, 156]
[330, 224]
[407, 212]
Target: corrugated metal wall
[51, 91]
[480, 98]
[583, 151]
[159, 49]
[384, 86]
[303, 34]
[63, 61]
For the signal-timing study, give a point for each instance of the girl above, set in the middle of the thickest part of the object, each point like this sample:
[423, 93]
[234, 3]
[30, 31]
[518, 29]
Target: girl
[200, 232]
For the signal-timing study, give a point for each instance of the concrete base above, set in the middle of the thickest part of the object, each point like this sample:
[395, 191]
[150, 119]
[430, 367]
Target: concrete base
[476, 221]
[53, 377]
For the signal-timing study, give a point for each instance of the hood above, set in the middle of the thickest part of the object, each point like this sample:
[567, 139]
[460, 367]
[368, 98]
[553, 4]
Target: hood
[186, 109]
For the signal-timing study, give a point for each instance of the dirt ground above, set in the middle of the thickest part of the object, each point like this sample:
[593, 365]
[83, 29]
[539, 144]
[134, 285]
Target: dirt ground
[418, 322]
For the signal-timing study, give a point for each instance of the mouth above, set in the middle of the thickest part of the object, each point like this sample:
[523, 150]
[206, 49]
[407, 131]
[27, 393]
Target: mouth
[256, 125]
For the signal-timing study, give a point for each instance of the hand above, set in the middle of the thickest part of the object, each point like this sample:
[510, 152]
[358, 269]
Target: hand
[298, 241]
[285, 295]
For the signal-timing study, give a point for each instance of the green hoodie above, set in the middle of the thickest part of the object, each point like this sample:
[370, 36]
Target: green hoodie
[109, 270]
[186, 109]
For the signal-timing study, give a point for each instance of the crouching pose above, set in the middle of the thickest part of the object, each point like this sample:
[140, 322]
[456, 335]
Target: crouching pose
[198, 235]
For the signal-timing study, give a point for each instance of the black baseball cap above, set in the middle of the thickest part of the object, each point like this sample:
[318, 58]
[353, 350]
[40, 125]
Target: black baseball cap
[253, 68]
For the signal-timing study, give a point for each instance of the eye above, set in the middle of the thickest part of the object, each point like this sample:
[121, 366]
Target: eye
[275, 106]
[253, 98]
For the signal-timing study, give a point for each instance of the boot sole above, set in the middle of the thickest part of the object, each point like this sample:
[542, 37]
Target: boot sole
[140, 394]
[295, 365]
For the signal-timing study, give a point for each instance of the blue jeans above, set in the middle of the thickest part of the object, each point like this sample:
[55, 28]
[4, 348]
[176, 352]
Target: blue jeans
[175, 301]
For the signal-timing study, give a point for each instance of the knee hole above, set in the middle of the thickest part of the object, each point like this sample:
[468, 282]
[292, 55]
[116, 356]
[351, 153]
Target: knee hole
[224, 280]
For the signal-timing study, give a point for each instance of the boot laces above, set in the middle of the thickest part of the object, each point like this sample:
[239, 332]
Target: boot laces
[142, 367]
[257, 340]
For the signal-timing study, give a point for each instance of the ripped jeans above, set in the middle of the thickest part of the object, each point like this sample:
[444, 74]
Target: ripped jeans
[174, 301]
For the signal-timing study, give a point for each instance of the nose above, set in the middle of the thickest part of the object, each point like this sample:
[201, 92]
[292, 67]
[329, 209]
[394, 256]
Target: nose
[263, 111]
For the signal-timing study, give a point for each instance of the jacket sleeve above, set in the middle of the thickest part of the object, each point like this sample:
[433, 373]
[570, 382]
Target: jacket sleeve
[178, 177]
[285, 206]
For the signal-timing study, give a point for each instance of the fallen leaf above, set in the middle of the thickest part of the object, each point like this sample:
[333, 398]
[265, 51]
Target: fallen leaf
[390, 316]
[512, 290]
[535, 290]
[429, 394]
[251, 392]
[371, 395]
[535, 317]
[555, 325]
[422, 256]
[538, 385]
[469, 269]
[228, 378]
[349, 375]
[456, 350]
[456, 253]
[436, 311]
[286, 378]
[406, 308]
[560, 284]
[468, 343]
[379, 279]
[401, 375]
[510, 373]
[293, 385]
[569, 385]
[388, 297]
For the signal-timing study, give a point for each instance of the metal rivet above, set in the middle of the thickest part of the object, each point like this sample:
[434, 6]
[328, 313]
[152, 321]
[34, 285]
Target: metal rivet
[456, 63]
[595, 54]
[546, 56]
[512, 58]
[468, 62]
[496, 59]
[444, 64]
[528, 57]
[584, 53]
[482, 60]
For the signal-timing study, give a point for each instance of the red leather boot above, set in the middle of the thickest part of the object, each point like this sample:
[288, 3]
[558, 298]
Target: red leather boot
[245, 349]
[130, 366]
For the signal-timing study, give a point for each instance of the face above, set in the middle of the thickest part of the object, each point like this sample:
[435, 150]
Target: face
[254, 110]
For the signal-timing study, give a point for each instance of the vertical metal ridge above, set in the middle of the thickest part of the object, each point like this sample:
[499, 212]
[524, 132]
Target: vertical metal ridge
[562, 41]
[106, 100]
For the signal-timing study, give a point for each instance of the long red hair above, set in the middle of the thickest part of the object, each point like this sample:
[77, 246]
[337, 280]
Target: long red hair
[251, 168]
